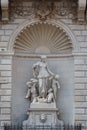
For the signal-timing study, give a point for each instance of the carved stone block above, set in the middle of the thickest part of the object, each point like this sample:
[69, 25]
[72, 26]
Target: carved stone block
[42, 114]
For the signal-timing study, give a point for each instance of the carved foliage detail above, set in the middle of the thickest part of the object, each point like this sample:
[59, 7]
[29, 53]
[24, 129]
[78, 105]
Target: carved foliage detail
[43, 9]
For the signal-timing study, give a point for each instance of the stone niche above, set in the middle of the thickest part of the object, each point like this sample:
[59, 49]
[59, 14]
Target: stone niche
[54, 43]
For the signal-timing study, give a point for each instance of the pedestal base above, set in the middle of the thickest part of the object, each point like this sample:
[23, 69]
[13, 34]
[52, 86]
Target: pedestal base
[42, 114]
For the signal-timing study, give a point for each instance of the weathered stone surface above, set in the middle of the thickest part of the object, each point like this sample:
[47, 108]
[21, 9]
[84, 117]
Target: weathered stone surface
[80, 111]
[6, 73]
[5, 110]
[5, 104]
[80, 98]
[6, 86]
[81, 105]
[8, 32]
[80, 31]
[81, 92]
[80, 74]
[5, 92]
[6, 98]
[5, 67]
[5, 122]
[81, 117]
[5, 117]
[6, 61]
[79, 86]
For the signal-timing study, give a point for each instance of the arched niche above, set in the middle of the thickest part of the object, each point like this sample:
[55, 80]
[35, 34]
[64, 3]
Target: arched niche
[58, 24]
[29, 41]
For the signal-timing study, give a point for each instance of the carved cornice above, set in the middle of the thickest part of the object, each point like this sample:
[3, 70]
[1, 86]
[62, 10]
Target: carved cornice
[43, 9]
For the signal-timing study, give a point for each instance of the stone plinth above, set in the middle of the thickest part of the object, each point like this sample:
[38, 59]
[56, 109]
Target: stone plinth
[42, 114]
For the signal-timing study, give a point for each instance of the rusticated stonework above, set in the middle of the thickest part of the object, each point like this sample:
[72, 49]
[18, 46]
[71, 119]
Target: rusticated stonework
[43, 9]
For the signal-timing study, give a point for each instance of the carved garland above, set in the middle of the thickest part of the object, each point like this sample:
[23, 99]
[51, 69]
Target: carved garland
[43, 9]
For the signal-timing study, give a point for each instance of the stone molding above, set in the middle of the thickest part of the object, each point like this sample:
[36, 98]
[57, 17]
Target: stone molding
[57, 23]
[4, 7]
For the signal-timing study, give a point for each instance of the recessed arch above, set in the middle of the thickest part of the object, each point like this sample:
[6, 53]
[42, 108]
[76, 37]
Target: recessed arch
[64, 66]
[57, 24]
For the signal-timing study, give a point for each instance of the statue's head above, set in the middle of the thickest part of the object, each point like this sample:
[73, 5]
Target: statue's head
[56, 76]
[33, 81]
[43, 58]
[29, 84]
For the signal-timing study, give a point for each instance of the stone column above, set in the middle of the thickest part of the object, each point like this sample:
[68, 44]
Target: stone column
[81, 10]
[4, 7]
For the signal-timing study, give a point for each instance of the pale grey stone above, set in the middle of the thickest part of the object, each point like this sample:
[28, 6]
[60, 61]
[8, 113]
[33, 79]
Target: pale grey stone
[81, 117]
[5, 92]
[6, 73]
[5, 67]
[84, 32]
[2, 32]
[81, 67]
[79, 98]
[5, 117]
[5, 38]
[42, 113]
[81, 92]
[77, 27]
[6, 86]
[5, 98]
[5, 110]
[81, 38]
[3, 44]
[80, 74]
[6, 61]
[8, 32]
[79, 86]
[78, 32]
[5, 104]
[79, 61]
[5, 122]
[81, 104]
[81, 80]
[9, 26]
[80, 111]
[47, 81]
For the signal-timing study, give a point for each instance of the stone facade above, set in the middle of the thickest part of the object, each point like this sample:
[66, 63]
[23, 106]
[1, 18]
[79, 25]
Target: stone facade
[8, 33]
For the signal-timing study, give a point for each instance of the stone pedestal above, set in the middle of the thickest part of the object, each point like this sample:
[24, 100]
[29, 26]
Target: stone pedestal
[42, 114]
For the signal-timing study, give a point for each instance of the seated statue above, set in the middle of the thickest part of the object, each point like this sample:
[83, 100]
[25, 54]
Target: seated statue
[32, 93]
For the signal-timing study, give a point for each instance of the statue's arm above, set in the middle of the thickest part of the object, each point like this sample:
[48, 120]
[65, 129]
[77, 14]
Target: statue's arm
[57, 84]
[48, 70]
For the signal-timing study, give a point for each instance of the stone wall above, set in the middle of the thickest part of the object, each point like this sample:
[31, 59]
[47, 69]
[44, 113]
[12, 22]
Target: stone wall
[80, 70]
